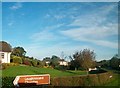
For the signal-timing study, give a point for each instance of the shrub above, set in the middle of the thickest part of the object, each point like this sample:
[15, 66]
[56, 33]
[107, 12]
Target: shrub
[97, 71]
[27, 62]
[40, 64]
[6, 65]
[7, 82]
[34, 63]
[88, 80]
[16, 59]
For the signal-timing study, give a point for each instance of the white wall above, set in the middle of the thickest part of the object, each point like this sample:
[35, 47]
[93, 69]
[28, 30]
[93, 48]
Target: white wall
[63, 63]
[6, 58]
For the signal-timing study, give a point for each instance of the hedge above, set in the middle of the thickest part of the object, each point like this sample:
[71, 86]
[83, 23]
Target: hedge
[87, 80]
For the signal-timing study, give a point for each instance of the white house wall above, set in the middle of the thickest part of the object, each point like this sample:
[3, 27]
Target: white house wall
[6, 58]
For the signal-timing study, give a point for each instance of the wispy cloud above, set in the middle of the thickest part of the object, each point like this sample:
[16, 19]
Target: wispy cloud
[95, 17]
[47, 34]
[95, 27]
[97, 35]
[10, 23]
[16, 6]
[43, 36]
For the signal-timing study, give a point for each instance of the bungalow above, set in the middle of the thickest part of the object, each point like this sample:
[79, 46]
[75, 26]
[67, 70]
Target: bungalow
[5, 51]
[63, 63]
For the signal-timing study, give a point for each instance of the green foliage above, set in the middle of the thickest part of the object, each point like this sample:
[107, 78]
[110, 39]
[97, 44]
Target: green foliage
[90, 80]
[83, 59]
[115, 62]
[97, 71]
[40, 64]
[26, 61]
[16, 59]
[6, 65]
[18, 51]
[34, 62]
[54, 61]
[7, 82]
[103, 63]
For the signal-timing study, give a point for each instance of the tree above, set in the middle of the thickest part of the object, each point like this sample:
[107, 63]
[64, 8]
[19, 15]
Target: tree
[85, 58]
[47, 59]
[18, 51]
[54, 61]
[115, 61]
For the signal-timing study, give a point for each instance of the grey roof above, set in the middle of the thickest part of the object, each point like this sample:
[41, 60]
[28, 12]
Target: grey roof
[5, 47]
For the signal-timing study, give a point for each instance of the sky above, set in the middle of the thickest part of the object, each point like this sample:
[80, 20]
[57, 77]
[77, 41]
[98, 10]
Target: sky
[44, 29]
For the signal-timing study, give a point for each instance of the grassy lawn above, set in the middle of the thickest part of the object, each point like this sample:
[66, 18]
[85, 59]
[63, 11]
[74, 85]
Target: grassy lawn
[27, 70]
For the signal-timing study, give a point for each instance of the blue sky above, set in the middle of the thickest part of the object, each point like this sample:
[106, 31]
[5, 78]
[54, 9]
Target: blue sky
[49, 28]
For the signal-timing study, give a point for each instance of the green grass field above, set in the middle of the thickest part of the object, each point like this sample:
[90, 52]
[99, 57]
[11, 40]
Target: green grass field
[27, 70]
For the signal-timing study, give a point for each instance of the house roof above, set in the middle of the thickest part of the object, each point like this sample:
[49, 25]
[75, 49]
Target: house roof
[5, 47]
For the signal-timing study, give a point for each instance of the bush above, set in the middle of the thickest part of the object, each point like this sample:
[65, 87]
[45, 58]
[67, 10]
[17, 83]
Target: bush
[6, 65]
[34, 62]
[16, 59]
[40, 64]
[88, 80]
[97, 71]
[27, 62]
[7, 82]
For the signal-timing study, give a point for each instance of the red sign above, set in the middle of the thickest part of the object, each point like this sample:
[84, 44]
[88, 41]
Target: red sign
[32, 80]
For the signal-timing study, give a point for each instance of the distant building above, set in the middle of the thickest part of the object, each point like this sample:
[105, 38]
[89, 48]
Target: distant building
[90, 69]
[47, 62]
[64, 63]
[5, 51]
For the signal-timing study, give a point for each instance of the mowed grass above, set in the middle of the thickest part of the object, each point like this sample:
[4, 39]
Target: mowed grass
[13, 71]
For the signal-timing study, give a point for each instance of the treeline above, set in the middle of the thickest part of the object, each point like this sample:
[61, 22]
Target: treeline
[83, 59]
[80, 60]
[113, 63]
[18, 56]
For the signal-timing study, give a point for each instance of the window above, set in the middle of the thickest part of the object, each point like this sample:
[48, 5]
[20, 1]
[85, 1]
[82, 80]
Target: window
[1, 55]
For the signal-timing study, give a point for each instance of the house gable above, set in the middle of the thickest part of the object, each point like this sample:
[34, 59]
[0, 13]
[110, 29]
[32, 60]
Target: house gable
[5, 51]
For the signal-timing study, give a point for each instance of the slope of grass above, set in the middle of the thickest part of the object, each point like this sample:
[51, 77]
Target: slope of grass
[27, 70]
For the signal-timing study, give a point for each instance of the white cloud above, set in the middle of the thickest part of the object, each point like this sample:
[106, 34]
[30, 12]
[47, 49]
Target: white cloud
[43, 35]
[97, 35]
[47, 15]
[46, 34]
[10, 23]
[95, 27]
[95, 17]
[58, 17]
[16, 6]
